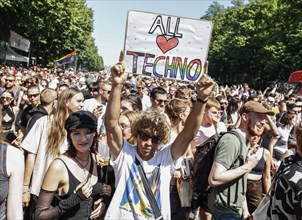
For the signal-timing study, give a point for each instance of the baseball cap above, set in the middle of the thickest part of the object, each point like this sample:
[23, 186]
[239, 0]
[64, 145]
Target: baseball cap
[81, 119]
[253, 106]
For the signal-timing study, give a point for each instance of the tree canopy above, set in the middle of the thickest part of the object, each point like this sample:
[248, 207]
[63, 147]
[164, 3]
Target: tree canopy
[55, 28]
[258, 42]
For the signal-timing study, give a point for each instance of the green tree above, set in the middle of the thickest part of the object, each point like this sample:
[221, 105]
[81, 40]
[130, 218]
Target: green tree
[55, 28]
[214, 9]
[258, 42]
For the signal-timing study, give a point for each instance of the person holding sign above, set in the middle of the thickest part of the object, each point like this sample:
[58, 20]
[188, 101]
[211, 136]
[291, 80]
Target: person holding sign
[146, 167]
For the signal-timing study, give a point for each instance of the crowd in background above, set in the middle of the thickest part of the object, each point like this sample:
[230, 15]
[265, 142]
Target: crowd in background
[36, 102]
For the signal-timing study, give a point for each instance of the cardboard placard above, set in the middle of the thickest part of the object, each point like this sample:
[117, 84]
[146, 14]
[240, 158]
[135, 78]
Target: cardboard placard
[166, 46]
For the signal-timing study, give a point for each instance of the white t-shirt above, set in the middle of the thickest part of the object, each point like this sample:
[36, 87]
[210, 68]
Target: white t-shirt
[90, 105]
[35, 142]
[204, 133]
[129, 200]
[146, 102]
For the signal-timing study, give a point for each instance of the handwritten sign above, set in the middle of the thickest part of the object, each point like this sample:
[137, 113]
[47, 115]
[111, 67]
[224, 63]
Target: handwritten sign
[166, 46]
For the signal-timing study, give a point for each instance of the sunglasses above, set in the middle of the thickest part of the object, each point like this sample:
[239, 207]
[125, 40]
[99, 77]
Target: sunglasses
[146, 137]
[7, 98]
[33, 95]
[224, 103]
[160, 101]
[10, 80]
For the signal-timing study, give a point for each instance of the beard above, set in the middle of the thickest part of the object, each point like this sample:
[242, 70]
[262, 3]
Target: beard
[252, 131]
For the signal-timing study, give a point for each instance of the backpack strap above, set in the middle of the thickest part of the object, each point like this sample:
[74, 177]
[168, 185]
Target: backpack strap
[148, 190]
[241, 160]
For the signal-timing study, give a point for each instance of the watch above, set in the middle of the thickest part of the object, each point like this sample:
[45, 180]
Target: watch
[202, 100]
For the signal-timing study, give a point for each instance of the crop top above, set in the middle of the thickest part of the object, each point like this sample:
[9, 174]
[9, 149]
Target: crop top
[259, 168]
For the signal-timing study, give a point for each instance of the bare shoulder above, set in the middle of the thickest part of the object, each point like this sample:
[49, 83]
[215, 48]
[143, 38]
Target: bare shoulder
[58, 164]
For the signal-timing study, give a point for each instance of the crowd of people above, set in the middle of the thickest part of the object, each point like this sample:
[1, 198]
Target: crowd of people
[55, 124]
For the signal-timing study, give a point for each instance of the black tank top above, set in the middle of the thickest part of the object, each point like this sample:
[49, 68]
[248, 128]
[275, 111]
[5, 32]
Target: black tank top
[8, 118]
[3, 181]
[84, 209]
[259, 168]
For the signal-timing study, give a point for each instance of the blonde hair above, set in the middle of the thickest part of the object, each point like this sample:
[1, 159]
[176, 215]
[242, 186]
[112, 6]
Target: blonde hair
[152, 121]
[175, 107]
[57, 132]
[212, 102]
[131, 115]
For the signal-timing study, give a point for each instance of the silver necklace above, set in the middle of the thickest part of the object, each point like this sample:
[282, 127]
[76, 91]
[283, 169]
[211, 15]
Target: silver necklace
[83, 166]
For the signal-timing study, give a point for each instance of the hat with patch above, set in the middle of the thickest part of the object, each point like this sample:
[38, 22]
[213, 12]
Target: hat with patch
[81, 119]
[253, 106]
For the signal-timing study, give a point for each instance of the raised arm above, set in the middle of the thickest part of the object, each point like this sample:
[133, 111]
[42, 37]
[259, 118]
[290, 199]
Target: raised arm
[113, 130]
[204, 88]
[272, 127]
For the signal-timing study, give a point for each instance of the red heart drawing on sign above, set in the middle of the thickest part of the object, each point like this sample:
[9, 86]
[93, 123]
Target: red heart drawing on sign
[166, 45]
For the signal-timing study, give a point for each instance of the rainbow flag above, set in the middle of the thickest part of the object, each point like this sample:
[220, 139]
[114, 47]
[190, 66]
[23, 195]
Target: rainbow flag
[69, 58]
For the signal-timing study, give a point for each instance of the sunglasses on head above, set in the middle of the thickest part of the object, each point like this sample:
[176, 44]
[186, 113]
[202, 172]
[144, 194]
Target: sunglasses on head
[146, 137]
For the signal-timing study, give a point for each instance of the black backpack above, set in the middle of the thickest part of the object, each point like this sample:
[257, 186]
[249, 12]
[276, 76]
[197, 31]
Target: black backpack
[203, 160]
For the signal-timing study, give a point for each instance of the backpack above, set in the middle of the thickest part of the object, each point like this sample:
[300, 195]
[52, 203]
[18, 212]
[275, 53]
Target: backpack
[203, 160]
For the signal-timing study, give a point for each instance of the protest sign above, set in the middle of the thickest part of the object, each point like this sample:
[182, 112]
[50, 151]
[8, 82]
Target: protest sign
[166, 46]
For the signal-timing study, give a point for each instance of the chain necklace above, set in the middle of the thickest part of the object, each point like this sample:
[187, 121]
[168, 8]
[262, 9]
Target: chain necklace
[78, 162]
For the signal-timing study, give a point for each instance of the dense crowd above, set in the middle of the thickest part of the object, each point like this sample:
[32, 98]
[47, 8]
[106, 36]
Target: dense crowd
[95, 145]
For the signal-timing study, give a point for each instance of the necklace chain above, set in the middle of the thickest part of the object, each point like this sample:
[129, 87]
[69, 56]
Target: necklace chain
[78, 162]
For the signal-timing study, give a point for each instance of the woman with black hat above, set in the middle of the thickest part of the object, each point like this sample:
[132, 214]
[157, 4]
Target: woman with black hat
[74, 177]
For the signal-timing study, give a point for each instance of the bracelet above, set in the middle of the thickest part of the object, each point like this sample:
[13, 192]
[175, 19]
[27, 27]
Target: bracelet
[202, 100]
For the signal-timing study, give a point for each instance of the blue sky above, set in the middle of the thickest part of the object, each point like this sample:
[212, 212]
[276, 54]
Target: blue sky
[110, 19]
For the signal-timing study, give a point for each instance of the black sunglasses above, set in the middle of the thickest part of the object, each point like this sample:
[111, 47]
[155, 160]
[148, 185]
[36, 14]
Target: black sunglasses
[146, 137]
[33, 95]
[162, 101]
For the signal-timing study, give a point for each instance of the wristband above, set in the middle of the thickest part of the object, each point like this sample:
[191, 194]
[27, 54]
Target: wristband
[202, 100]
